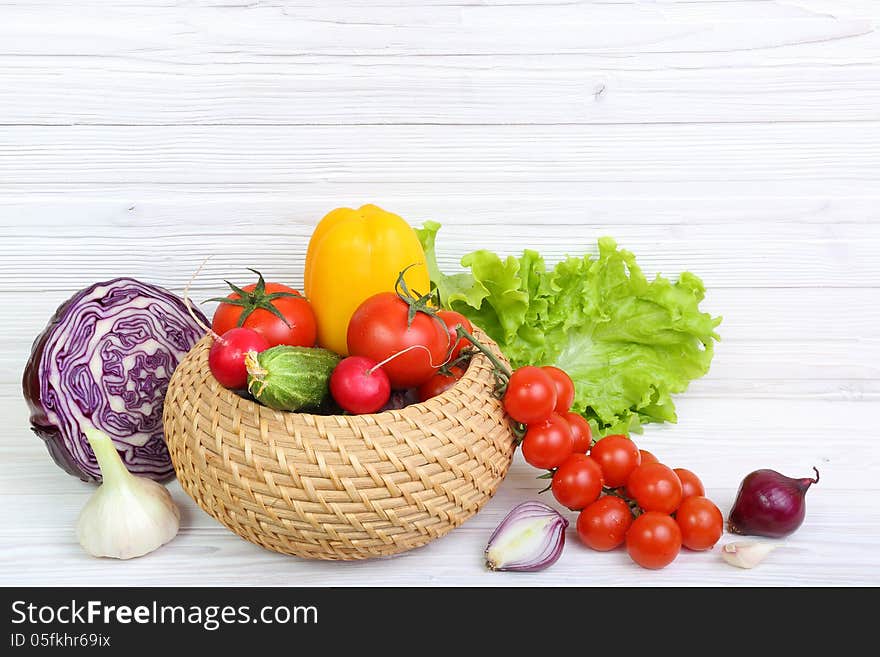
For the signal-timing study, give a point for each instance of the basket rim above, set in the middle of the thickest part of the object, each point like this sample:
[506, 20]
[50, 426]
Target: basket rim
[228, 396]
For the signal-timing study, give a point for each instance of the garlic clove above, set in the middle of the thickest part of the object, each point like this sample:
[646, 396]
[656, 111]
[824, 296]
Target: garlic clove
[747, 554]
[127, 516]
[530, 537]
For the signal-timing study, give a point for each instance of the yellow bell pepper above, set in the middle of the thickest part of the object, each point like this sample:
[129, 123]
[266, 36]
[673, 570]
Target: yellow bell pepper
[352, 255]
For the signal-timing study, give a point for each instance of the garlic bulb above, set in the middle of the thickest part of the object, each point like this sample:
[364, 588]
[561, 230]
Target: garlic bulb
[127, 516]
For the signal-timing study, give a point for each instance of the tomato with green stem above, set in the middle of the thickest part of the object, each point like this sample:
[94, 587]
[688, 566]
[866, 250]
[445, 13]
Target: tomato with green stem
[653, 540]
[410, 344]
[277, 312]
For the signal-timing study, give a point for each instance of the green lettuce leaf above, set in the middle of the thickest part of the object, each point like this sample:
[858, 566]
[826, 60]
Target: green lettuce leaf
[628, 343]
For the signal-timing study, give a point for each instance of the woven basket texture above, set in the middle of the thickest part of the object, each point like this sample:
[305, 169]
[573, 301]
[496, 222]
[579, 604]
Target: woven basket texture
[337, 486]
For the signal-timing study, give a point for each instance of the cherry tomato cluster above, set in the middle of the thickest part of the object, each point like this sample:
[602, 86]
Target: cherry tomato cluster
[624, 494]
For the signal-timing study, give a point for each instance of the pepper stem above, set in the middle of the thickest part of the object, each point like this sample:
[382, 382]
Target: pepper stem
[113, 470]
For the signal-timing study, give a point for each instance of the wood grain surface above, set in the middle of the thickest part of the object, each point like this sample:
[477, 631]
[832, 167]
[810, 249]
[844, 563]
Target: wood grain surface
[738, 139]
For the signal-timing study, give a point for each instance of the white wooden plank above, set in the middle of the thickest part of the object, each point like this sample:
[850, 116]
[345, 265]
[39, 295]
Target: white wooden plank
[742, 254]
[427, 89]
[650, 29]
[715, 193]
[102, 212]
[759, 153]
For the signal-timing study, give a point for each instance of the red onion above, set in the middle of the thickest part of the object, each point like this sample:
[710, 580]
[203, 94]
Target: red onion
[530, 537]
[770, 504]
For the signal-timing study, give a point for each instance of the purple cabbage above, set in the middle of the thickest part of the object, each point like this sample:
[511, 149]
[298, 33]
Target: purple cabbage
[105, 359]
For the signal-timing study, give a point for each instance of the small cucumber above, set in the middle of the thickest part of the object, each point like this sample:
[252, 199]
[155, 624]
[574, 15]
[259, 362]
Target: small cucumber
[291, 378]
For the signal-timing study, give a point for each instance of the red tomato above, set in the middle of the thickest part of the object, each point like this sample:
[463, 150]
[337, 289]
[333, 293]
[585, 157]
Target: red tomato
[690, 483]
[603, 524]
[547, 444]
[453, 320]
[581, 433]
[379, 329]
[618, 456]
[653, 540]
[564, 388]
[647, 457]
[227, 354]
[295, 326]
[700, 522]
[530, 396]
[655, 487]
[439, 383]
[358, 386]
[577, 482]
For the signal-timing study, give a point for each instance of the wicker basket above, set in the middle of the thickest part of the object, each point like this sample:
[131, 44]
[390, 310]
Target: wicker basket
[337, 486]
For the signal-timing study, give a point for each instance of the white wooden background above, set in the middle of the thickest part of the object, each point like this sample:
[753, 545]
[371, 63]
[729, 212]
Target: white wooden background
[739, 139]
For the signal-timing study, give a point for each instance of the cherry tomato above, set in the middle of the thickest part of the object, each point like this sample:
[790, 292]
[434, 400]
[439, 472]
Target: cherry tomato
[700, 522]
[603, 524]
[577, 482]
[453, 320]
[690, 483]
[655, 487]
[358, 386]
[439, 383]
[647, 457]
[618, 456]
[227, 354]
[564, 388]
[380, 329]
[277, 312]
[653, 540]
[547, 444]
[530, 396]
[581, 433]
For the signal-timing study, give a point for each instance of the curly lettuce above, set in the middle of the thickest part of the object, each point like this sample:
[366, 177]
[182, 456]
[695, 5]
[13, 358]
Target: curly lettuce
[628, 343]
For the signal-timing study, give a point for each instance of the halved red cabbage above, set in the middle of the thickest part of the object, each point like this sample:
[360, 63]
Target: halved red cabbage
[105, 359]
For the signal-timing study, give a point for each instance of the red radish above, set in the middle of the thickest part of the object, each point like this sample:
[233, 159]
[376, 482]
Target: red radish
[359, 385]
[227, 354]
[770, 504]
